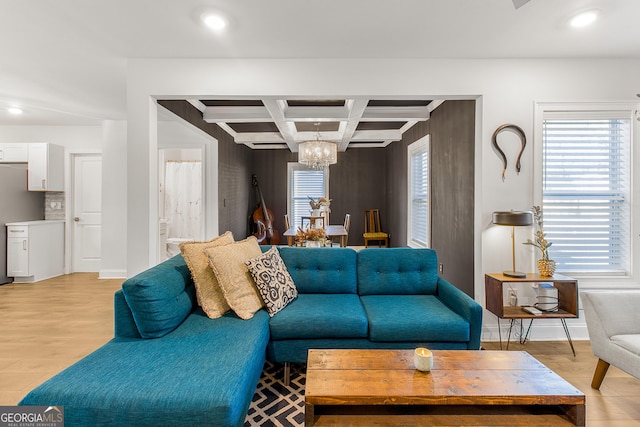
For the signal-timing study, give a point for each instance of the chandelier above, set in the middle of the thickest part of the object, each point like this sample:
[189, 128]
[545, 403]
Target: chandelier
[318, 153]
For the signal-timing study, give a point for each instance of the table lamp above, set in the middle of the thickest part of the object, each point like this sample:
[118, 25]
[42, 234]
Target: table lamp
[514, 219]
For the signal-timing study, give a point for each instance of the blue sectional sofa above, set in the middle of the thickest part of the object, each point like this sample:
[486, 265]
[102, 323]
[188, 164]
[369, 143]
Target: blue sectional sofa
[171, 365]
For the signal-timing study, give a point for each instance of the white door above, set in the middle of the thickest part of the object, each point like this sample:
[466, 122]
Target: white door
[87, 213]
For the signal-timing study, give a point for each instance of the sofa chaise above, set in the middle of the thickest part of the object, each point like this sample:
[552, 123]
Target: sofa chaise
[171, 365]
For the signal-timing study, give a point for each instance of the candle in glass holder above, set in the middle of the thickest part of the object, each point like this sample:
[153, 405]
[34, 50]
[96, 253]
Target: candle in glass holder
[423, 359]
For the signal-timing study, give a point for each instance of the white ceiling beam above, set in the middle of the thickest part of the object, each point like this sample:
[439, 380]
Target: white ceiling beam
[254, 146]
[236, 114]
[356, 109]
[198, 104]
[228, 129]
[276, 108]
[377, 135]
[252, 137]
[395, 114]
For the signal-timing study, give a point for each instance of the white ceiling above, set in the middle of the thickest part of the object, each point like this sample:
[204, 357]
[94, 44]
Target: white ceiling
[64, 61]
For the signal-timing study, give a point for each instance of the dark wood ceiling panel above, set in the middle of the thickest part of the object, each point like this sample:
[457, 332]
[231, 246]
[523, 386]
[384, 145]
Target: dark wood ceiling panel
[379, 125]
[322, 126]
[232, 102]
[398, 103]
[316, 102]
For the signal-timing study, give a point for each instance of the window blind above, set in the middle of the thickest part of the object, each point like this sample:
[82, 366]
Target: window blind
[586, 186]
[305, 182]
[419, 194]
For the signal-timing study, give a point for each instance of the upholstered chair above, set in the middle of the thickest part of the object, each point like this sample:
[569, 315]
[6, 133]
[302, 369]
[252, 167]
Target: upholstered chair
[613, 321]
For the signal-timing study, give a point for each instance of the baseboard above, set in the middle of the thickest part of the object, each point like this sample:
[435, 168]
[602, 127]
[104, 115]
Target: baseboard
[112, 274]
[541, 330]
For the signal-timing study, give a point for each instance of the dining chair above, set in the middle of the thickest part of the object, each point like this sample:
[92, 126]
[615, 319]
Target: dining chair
[312, 221]
[372, 229]
[347, 224]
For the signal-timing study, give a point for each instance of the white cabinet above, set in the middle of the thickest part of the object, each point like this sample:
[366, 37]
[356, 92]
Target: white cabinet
[17, 252]
[14, 153]
[35, 250]
[46, 167]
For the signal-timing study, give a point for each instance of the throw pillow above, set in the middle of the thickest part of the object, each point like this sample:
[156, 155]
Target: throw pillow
[273, 280]
[208, 292]
[233, 276]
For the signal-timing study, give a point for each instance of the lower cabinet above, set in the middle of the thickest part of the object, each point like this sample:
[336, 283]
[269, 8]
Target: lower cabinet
[35, 250]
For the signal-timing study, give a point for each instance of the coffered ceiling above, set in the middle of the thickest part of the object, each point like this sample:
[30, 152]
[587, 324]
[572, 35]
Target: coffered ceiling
[269, 123]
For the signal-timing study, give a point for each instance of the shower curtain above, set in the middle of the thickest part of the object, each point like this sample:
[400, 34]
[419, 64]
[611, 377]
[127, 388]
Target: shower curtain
[183, 199]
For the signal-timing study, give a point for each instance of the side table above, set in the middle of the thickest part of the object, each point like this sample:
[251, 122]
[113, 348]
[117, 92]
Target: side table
[567, 301]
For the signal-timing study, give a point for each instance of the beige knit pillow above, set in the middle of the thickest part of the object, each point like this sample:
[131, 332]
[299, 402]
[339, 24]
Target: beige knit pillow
[233, 276]
[208, 291]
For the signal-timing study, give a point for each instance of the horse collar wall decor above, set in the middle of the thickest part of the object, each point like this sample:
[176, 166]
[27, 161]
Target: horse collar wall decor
[494, 141]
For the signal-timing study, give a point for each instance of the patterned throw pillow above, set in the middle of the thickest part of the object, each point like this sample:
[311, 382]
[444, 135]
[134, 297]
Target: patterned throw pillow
[273, 280]
[208, 291]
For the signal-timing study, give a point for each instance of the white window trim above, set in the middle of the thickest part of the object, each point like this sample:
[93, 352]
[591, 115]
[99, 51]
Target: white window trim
[590, 280]
[414, 146]
[295, 166]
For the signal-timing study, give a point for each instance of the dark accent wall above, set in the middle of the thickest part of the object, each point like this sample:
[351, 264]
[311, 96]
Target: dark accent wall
[452, 141]
[356, 182]
[452, 194]
[270, 167]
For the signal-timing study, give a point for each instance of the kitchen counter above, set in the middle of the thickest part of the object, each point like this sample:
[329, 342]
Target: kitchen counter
[37, 222]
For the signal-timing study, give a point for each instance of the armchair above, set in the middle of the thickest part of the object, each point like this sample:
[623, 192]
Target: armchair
[613, 321]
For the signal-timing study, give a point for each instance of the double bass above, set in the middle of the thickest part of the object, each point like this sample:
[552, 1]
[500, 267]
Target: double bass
[263, 219]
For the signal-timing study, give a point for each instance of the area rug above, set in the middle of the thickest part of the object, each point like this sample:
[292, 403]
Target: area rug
[275, 404]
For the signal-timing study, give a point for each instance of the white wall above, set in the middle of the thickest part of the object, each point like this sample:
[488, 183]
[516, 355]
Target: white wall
[114, 199]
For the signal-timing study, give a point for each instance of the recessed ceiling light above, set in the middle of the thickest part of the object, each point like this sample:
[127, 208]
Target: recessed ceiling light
[584, 19]
[14, 110]
[214, 21]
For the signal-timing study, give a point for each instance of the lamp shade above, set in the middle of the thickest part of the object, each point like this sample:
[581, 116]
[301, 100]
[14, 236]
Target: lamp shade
[318, 154]
[513, 218]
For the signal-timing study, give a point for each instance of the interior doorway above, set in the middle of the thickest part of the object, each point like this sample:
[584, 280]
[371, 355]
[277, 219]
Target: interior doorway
[181, 201]
[86, 228]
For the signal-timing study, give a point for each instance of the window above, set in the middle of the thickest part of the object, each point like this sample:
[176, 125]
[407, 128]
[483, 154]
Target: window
[419, 207]
[304, 182]
[586, 189]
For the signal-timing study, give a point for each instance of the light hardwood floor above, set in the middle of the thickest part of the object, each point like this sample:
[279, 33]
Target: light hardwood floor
[49, 325]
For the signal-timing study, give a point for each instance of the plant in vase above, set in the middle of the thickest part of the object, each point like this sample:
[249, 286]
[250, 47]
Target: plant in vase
[546, 267]
[322, 204]
[315, 235]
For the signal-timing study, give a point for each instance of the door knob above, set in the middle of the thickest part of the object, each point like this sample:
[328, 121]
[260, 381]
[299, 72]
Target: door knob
[76, 219]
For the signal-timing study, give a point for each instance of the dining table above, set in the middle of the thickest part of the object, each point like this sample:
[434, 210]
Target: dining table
[330, 230]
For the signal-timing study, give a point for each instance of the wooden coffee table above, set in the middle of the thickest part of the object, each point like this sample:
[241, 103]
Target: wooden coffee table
[465, 387]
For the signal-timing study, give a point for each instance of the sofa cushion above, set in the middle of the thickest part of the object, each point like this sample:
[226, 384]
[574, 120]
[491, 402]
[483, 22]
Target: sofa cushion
[321, 270]
[320, 316]
[161, 297]
[413, 318]
[273, 280]
[205, 372]
[233, 276]
[397, 271]
[208, 292]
